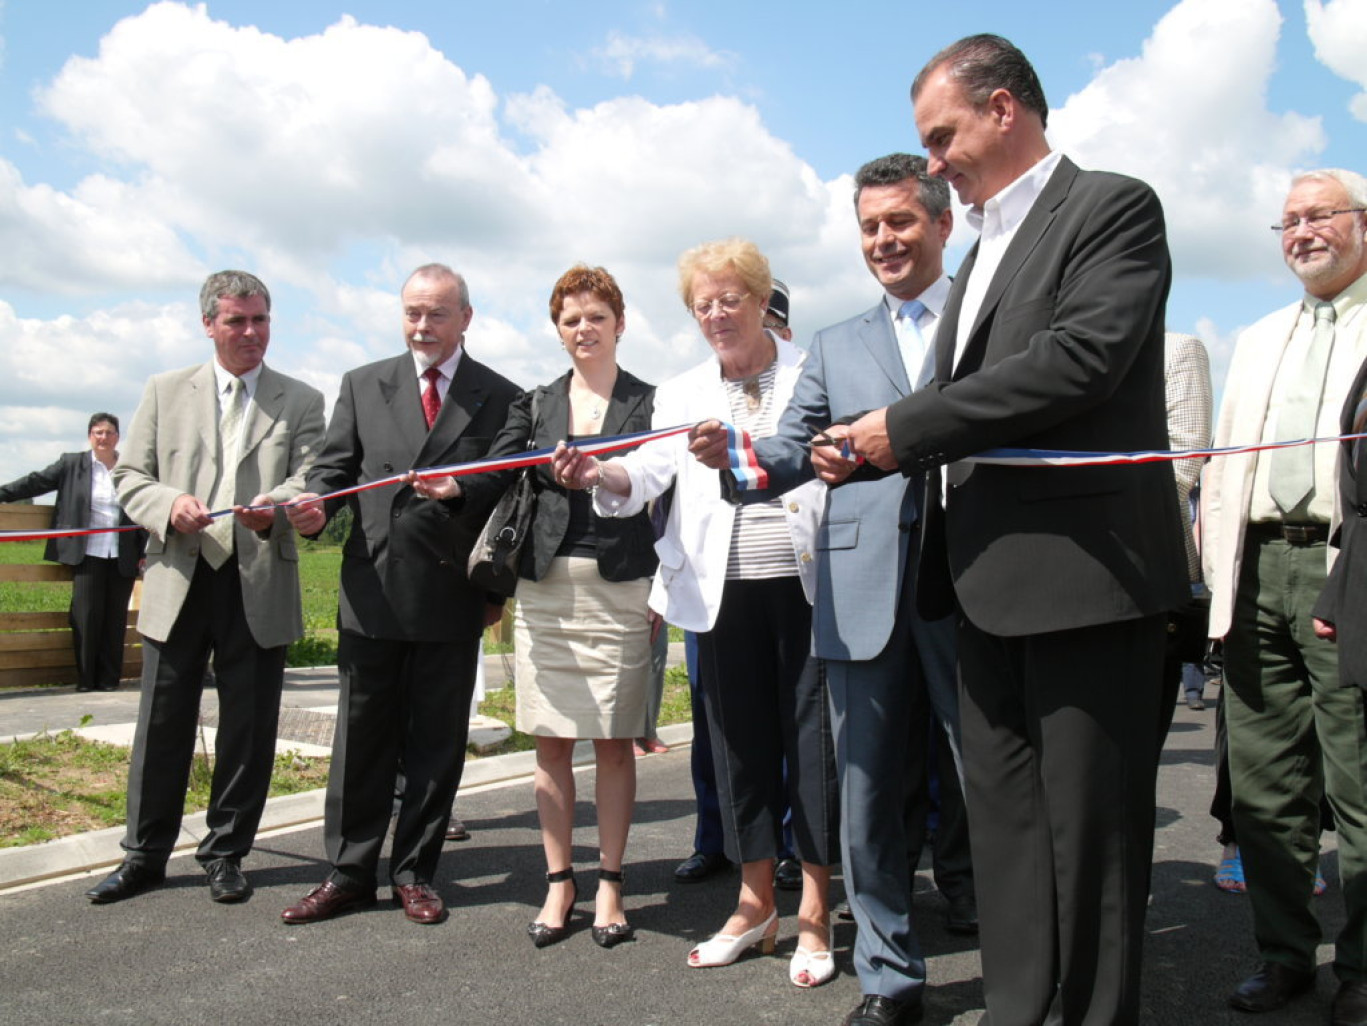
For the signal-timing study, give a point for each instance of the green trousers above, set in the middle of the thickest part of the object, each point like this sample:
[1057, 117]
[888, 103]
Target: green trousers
[1295, 733]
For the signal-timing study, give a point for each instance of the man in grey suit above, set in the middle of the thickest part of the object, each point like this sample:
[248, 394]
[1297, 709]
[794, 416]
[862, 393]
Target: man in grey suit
[885, 665]
[1052, 338]
[410, 622]
[228, 433]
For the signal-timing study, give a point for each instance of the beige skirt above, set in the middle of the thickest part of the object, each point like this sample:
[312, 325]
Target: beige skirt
[582, 653]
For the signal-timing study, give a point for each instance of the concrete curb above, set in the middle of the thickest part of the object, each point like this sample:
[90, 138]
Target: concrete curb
[99, 849]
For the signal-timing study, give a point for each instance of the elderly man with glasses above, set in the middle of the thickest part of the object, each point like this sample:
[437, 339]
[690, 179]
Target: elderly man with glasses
[1270, 520]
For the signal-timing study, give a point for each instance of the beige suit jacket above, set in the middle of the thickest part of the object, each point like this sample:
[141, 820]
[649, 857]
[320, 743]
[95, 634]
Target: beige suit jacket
[1227, 489]
[171, 449]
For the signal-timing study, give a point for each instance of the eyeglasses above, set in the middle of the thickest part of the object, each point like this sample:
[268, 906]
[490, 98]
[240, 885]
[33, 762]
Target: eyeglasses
[727, 303]
[1314, 221]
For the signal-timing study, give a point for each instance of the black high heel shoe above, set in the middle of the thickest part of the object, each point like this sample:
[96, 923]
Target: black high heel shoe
[543, 935]
[614, 933]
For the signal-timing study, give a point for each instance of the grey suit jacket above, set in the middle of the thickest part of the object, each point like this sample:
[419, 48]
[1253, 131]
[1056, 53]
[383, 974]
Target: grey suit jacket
[69, 477]
[1066, 353]
[403, 565]
[171, 449]
[868, 526]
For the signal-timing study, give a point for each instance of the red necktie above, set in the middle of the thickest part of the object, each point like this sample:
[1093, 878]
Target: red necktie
[431, 400]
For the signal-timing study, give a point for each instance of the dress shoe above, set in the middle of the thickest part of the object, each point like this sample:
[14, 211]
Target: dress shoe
[877, 1010]
[1272, 986]
[328, 900]
[611, 934]
[543, 935]
[129, 879]
[723, 949]
[698, 867]
[961, 918]
[1350, 1004]
[226, 882]
[788, 875]
[456, 831]
[420, 903]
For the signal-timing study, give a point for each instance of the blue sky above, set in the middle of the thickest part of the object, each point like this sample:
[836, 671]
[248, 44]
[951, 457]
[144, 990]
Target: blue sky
[331, 148]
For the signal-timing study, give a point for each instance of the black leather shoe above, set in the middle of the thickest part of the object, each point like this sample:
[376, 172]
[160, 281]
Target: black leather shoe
[788, 875]
[1272, 986]
[226, 882]
[877, 1010]
[129, 879]
[1350, 1004]
[961, 917]
[698, 867]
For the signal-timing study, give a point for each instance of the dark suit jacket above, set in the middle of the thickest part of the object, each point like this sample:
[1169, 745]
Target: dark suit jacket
[625, 545]
[403, 564]
[1066, 353]
[1344, 599]
[69, 477]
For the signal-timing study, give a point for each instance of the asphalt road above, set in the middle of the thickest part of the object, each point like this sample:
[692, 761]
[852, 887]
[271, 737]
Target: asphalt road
[172, 956]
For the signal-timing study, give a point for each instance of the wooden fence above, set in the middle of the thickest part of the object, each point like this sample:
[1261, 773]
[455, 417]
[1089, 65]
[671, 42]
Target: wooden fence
[35, 648]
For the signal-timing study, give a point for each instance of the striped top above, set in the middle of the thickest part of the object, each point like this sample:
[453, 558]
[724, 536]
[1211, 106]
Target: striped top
[761, 545]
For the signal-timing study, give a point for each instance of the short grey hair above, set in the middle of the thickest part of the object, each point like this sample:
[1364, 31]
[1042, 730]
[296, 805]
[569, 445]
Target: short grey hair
[435, 270]
[896, 168]
[1353, 183]
[230, 284]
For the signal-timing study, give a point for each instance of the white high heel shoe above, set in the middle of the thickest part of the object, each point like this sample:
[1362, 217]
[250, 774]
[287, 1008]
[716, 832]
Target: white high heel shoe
[723, 950]
[810, 968]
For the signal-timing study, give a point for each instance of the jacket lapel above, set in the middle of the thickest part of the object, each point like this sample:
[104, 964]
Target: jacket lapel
[553, 408]
[463, 400]
[627, 396]
[399, 392]
[879, 337]
[263, 411]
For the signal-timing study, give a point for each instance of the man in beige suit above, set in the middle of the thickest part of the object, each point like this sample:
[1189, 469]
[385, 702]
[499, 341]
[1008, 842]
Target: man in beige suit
[1294, 733]
[227, 433]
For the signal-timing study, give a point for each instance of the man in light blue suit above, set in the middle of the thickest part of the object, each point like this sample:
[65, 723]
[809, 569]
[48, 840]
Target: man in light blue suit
[884, 664]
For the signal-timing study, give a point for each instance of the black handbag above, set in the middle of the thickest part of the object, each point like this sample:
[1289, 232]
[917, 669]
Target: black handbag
[497, 552]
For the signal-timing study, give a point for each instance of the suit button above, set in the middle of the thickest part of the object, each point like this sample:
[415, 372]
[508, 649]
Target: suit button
[1362, 509]
[904, 528]
[806, 557]
[792, 507]
[398, 513]
[389, 468]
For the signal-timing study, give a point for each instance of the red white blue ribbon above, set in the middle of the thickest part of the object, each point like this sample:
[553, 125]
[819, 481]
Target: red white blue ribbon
[1067, 458]
[489, 464]
[744, 464]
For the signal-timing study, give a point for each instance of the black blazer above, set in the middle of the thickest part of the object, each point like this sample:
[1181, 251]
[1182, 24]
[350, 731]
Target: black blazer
[403, 564]
[1066, 353]
[69, 477]
[1344, 599]
[625, 545]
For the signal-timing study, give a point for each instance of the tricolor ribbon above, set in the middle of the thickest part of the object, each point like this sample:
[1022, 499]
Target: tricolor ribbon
[489, 464]
[744, 464]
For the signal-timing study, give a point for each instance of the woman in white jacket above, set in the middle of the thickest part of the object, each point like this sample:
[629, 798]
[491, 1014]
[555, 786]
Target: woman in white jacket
[742, 576]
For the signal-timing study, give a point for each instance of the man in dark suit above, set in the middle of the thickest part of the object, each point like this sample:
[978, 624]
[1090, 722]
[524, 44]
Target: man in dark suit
[410, 622]
[103, 565]
[1052, 338]
[229, 433]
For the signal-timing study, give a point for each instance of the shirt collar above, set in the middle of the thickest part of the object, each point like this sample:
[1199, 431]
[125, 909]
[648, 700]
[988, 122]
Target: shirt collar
[933, 297]
[223, 379]
[1004, 212]
[1354, 295]
[447, 366]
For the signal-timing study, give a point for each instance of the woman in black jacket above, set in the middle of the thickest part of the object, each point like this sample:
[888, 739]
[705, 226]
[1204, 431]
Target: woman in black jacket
[581, 633]
[103, 566]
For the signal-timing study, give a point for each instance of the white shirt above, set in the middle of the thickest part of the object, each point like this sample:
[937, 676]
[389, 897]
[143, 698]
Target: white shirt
[104, 512]
[998, 221]
[448, 372]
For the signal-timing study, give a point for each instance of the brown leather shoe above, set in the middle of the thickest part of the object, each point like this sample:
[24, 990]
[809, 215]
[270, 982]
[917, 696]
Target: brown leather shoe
[420, 903]
[328, 900]
[456, 830]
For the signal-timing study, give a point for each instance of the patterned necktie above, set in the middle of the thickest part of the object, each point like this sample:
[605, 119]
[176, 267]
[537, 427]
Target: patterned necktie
[217, 541]
[1292, 476]
[909, 339]
[431, 398]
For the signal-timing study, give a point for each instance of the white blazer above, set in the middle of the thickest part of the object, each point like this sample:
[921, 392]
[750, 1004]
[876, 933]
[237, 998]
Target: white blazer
[696, 544]
[1227, 486]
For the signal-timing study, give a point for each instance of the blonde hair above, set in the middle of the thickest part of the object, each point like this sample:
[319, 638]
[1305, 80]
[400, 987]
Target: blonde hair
[737, 255]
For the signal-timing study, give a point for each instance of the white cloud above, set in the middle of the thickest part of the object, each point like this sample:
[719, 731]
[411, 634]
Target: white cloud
[621, 53]
[1338, 28]
[1190, 116]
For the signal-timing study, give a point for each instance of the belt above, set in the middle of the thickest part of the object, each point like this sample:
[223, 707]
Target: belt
[1293, 534]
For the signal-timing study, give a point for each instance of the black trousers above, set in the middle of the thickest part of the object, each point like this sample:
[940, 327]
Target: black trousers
[767, 704]
[99, 612]
[1060, 743]
[402, 704]
[248, 679]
